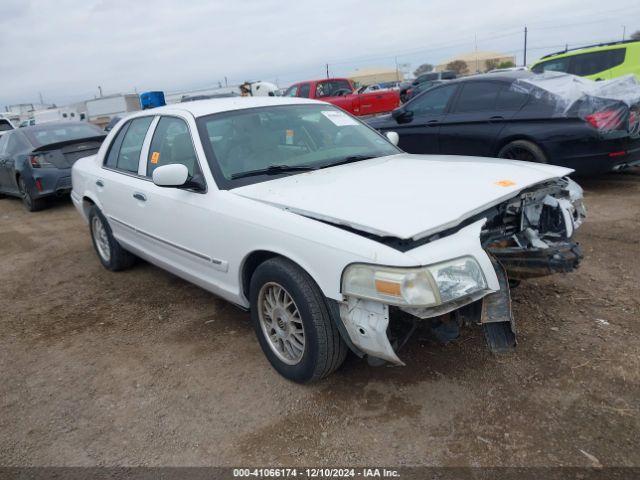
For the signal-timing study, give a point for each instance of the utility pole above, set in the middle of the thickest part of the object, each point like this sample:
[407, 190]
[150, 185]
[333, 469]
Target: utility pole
[226, 84]
[327, 70]
[100, 90]
[525, 47]
[397, 70]
[624, 31]
[41, 99]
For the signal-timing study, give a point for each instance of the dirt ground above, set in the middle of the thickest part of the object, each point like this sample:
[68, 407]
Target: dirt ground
[142, 368]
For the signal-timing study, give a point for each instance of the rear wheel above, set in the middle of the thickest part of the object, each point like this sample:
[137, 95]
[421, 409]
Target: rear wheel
[110, 252]
[292, 322]
[30, 203]
[523, 150]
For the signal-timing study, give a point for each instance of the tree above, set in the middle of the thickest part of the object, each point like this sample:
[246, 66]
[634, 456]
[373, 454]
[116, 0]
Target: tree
[507, 64]
[458, 66]
[635, 35]
[491, 64]
[424, 68]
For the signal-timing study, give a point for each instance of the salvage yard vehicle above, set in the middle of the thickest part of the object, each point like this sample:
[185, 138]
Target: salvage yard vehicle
[5, 126]
[35, 162]
[552, 118]
[597, 62]
[332, 236]
[342, 93]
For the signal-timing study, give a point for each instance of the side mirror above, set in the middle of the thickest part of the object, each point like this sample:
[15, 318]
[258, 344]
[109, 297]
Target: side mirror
[173, 175]
[401, 115]
[393, 137]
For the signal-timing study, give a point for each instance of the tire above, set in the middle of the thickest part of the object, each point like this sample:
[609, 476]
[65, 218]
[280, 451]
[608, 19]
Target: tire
[111, 254]
[523, 150]
[322, 350]
[30, 203]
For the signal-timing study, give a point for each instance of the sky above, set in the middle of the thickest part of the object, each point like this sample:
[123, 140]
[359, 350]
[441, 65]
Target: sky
[64, 49]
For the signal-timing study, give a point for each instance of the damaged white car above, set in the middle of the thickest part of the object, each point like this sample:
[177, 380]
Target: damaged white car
[331, 236]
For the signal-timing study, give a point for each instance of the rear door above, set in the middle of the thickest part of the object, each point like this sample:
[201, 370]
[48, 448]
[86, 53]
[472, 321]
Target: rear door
[15, 149]
[119, 186]
[474, 122]
[421, 125]
[4, 177]
[178, 225]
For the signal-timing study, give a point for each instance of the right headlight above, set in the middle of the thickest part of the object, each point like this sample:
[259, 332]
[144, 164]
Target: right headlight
[423, 286]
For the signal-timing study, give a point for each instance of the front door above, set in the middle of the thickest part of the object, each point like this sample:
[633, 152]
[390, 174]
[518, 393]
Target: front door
[179, 224]
[474, 122]
[420, 126]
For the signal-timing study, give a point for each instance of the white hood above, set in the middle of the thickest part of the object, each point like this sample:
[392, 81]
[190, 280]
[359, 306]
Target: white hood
[404, 196]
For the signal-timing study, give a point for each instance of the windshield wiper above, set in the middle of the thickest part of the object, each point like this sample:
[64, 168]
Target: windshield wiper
[273, 170]
[350, 159]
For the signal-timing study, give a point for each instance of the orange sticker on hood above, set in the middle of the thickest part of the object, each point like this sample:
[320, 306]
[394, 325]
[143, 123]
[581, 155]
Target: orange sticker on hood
[505, 183]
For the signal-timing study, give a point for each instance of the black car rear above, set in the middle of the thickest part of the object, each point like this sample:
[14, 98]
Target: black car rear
[35, 162]
[499, 116]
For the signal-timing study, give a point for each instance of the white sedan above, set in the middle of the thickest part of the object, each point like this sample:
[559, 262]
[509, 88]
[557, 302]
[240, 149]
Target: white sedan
[333, 237]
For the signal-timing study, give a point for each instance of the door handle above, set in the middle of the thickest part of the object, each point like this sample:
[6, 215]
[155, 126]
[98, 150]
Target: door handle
[140, 196]
[100, 183]
[496, 118]
[433, 123]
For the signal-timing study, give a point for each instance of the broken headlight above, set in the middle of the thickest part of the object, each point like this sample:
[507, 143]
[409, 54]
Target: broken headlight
[423, 286]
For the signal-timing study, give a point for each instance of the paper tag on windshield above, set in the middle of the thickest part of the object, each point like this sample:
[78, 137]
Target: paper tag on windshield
[339, 118]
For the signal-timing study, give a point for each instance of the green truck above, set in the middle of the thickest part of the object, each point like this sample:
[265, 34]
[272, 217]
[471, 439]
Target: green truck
[597, 62]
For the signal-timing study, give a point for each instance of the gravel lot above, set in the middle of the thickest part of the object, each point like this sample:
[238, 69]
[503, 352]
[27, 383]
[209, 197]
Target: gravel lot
[142, 368]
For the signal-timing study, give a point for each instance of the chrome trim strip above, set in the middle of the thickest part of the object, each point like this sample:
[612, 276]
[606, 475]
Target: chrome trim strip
[220, 264]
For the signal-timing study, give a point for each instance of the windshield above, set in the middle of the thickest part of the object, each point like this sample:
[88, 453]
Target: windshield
[61, 132]
[312, 136]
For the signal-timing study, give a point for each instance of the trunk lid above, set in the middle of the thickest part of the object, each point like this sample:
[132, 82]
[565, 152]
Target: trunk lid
[65, 154]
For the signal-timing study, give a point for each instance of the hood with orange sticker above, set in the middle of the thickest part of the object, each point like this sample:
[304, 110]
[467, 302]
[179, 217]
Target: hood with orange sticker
[403, 196]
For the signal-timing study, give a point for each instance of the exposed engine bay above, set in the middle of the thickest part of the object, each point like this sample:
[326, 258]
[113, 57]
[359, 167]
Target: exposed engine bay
[526, 236]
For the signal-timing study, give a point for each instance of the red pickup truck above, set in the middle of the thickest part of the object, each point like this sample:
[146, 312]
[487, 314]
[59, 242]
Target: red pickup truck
[341, 92]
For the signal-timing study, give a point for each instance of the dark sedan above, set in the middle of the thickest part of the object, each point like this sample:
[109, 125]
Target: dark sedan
[486, 116]
[35, 162]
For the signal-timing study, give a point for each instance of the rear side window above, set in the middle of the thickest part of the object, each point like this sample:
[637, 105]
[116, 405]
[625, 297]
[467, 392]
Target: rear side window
[329, 88]
[16, 144]
[594, 62]
[478, 97]
[5, 125]
[172, 144]
[128, 148]
[510, 99]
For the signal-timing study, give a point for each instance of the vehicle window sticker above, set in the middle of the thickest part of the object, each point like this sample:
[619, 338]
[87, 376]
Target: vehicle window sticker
[338, 118]
[155, 156]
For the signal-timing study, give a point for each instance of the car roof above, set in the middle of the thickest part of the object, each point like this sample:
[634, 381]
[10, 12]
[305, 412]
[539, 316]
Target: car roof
[588, 49]
[498, 76]
[200, 108]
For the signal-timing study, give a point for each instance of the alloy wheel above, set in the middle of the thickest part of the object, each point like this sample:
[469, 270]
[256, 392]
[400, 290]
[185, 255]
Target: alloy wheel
[101, 238]
[281, 323]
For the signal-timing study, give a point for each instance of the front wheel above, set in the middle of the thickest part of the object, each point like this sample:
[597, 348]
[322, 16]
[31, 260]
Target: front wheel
[292, 322]
[110, 252]
[523, 150]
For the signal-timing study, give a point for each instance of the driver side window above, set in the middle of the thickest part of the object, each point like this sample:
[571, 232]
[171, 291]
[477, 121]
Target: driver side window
[433, 102]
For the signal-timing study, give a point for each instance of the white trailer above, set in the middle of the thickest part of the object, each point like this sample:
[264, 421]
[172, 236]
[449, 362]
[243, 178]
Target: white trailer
[62, 114]
[101, 110]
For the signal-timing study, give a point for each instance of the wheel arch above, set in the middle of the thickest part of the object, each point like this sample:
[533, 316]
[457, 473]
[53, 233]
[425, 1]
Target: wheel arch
[519, 136]
[88, 201]
[255, 258]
